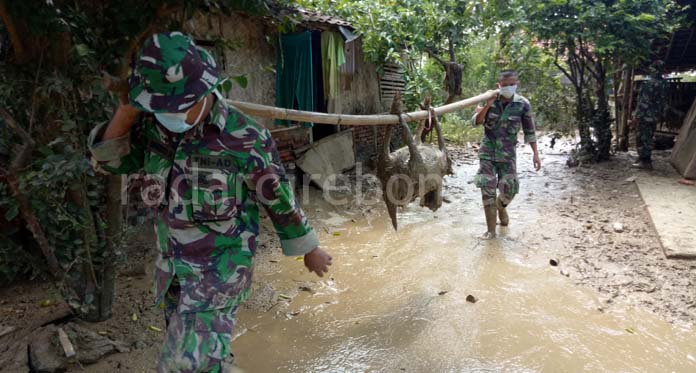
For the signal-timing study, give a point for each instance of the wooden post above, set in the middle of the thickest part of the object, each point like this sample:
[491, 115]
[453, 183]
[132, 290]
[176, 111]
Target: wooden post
[627, 103]
[618, 104]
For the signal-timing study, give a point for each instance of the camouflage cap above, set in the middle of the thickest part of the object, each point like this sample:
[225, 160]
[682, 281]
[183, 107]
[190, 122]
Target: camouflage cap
[171, 74]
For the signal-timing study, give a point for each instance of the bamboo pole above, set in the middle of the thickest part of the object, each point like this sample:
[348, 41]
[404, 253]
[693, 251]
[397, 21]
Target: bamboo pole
[264, 111]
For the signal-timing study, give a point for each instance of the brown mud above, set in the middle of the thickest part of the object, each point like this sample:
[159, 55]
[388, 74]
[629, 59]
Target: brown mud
[397, 301]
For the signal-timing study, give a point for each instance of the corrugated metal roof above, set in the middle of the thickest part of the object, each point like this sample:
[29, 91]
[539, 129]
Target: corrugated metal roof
[307, 17]
[311, 16]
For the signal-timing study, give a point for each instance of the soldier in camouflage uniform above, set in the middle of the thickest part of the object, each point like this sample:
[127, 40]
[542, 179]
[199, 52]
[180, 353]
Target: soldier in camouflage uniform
[208, 167]
[649, 110]
[502, 116]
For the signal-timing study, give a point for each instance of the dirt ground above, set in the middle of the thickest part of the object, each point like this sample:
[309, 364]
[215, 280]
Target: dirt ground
[592, 222]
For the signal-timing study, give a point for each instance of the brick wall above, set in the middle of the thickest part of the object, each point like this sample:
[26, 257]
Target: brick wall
[368, 141]
[290, 140]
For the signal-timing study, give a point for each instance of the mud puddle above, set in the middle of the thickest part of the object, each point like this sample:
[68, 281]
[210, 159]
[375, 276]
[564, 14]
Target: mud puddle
[396, 301]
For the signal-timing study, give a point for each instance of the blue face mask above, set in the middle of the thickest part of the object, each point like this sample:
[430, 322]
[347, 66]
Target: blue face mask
[176, 122]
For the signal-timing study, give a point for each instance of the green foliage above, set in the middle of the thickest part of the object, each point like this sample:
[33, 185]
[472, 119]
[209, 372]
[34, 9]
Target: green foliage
[592, 39]
[391, 27]
[457, 129]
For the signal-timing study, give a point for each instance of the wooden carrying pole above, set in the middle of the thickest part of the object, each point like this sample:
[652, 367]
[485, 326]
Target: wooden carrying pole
[264, 111]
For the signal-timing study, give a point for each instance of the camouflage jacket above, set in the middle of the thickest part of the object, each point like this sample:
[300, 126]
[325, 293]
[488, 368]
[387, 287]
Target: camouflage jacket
[651, 100]
[206, 185]
[502, 124]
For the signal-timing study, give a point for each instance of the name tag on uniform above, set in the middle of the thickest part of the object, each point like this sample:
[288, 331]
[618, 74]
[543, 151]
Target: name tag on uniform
[213, 161]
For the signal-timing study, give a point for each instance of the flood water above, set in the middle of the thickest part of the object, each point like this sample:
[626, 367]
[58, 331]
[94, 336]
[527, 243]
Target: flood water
[396, 301]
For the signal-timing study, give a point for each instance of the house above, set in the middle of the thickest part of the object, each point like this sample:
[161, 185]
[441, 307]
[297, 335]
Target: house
[270, 60]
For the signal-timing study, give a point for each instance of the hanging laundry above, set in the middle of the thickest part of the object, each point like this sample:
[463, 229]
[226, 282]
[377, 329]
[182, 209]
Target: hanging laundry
[294, 74]
[333, 58]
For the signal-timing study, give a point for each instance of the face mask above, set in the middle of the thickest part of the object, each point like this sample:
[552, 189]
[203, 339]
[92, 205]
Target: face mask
[508, 91]
[176, 122]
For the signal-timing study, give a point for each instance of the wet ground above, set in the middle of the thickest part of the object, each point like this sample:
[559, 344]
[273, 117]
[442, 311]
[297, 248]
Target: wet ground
[432, 297]
[397, 301]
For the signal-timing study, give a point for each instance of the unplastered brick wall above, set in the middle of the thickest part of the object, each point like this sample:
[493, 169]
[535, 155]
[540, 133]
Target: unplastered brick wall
[368, 140]
[289, 141]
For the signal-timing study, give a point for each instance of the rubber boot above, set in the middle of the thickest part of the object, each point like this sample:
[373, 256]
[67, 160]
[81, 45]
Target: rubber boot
[502, 213]
[491, 217]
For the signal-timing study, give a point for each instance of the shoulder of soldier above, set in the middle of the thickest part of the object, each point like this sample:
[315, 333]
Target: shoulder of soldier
[241, 132]
[523, 100]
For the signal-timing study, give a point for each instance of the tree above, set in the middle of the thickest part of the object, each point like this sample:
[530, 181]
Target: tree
[590, 40]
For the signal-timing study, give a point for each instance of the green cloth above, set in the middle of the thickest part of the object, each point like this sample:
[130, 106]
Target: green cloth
[295, 79]
[332, 58]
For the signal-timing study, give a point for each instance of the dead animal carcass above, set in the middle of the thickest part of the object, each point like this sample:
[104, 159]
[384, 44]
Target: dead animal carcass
[414, 171]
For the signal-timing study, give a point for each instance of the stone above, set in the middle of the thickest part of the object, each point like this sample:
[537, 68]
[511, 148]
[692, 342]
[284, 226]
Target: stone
[45, 355]
[139, 345]
[90, 346]
[471, 299]
[618, 227]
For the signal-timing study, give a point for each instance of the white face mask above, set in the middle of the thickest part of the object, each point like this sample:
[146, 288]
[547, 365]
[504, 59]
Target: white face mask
[176, 122]
[508, 91]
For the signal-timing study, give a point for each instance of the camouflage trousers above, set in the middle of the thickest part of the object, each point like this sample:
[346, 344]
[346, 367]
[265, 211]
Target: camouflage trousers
[644, 139]
[196, 341]
[500, 176]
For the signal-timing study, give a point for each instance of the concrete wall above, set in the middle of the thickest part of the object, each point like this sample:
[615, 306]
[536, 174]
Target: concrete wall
[252, 54]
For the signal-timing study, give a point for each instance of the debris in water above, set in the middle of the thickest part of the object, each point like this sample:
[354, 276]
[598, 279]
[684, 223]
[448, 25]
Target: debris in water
[307, 289]
[283, 296]
[134, 317]
[618, 227]
[299, 258]
[553, 262]
[154, 328]
[630, 330]
[442, 292]
[565, 273]
[471, 299]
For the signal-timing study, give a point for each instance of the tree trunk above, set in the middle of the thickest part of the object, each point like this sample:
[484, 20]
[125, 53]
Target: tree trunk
[602, 118]
[582, 108]
[628, 107]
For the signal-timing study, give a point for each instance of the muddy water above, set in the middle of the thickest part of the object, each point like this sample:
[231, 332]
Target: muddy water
[397, 301]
